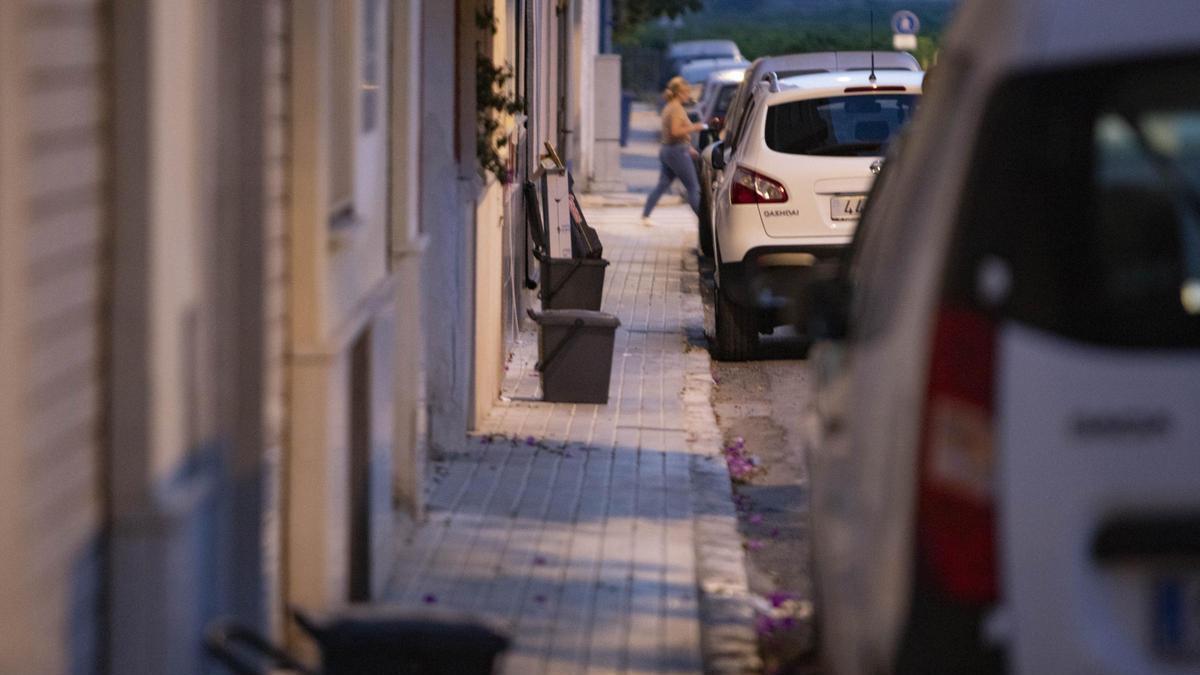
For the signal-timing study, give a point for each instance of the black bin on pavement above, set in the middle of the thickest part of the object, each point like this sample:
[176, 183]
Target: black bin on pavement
[567, 283]
[572, 283]
[575, 349]
[378, 642]
[367, 640]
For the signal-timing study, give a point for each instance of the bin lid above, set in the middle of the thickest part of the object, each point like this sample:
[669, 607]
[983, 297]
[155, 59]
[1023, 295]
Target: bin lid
[388, 632]
[568, 317]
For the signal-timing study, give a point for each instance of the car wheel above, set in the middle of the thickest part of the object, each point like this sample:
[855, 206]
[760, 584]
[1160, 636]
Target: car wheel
[705, 225]
[736, 331]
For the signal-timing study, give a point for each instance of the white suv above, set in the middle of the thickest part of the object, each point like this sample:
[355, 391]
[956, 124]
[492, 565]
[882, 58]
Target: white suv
[793, 180]
[1005, 455]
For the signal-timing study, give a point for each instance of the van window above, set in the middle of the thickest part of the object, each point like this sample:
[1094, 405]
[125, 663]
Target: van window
[1087, 188]
[842, 126]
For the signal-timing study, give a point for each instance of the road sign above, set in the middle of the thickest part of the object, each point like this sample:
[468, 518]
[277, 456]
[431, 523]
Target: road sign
[905, 22]
[902, 42]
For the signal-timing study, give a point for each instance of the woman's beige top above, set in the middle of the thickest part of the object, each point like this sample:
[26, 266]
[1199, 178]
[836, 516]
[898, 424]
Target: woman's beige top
[675, 119]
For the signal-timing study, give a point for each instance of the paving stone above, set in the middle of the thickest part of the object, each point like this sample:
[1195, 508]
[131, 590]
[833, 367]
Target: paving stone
[583, 541]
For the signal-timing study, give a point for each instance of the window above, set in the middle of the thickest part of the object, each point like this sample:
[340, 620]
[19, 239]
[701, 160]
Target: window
[1147, 177]
[344, 77]
[372, 67]
[357, 70]
[1087, 185]
[843, 126]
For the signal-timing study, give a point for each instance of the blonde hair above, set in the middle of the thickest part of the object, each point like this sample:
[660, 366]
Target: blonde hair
[677, 88]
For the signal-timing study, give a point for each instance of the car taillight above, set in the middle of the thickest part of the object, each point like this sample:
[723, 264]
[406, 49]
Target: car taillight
[753, 188]
[955, 514]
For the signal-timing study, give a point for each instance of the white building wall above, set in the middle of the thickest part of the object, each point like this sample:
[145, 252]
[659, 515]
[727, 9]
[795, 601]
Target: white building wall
[495, 281]
[489, 299]
[587, 45]
[408, 243]
[448, 185]
[342, 315]
[52, 307]
[562, 40]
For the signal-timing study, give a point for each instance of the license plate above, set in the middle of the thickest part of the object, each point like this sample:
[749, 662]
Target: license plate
[1175, 612]
[847, 208]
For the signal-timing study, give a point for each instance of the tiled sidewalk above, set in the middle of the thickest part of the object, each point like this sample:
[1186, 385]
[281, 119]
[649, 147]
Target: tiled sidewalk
[574, 526]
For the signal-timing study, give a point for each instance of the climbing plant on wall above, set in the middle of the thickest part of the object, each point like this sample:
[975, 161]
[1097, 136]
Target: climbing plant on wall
[494, 104]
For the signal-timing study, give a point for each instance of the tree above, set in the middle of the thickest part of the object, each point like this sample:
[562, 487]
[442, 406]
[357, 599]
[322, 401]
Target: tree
[629, 14]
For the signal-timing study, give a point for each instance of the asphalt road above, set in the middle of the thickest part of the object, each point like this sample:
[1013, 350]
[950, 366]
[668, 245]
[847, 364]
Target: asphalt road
[759, 406]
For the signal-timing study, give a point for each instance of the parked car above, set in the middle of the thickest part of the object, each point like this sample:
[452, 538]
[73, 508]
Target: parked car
[714, 102]
[692, 50]
[794, 180]
[697, 72]
[784, 66]
[1003, 445]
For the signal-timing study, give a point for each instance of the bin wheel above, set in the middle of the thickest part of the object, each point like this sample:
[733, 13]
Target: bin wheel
[737, 330]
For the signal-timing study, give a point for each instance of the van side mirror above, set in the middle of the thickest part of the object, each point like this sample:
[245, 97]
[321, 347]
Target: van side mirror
[718, 156]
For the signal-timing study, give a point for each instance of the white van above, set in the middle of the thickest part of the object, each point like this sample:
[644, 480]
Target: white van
[1005, 443]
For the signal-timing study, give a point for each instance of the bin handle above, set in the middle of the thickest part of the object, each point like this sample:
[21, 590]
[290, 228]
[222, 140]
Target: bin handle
[545, 363]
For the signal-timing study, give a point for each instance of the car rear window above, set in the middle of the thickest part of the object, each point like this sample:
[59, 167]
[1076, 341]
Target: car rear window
[842, 126]
[1085, 199]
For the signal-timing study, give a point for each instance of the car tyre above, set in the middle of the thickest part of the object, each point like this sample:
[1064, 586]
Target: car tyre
[705, 225]
[736, 330]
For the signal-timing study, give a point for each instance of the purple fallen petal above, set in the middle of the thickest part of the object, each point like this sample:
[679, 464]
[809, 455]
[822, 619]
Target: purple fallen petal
[539, 599]
[530, 440]
[764, 625]
[756, 518]
[429, 599]
[539, 560]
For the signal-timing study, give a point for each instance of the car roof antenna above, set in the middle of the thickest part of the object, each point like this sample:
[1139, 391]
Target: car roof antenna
[872, 78]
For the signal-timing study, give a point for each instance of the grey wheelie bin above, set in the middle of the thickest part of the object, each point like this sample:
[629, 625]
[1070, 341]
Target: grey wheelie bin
[575, 350]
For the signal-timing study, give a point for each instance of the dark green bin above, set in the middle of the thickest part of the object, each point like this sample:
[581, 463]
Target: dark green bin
[575, 350]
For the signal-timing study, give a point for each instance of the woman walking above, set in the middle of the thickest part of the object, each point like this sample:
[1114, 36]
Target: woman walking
[676, 155]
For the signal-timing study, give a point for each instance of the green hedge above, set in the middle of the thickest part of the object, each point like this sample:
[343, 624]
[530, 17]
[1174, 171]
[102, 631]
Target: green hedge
[765, 27]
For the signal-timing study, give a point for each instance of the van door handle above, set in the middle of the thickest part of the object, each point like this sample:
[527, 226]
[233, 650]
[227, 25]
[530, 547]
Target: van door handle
[1148, 538]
